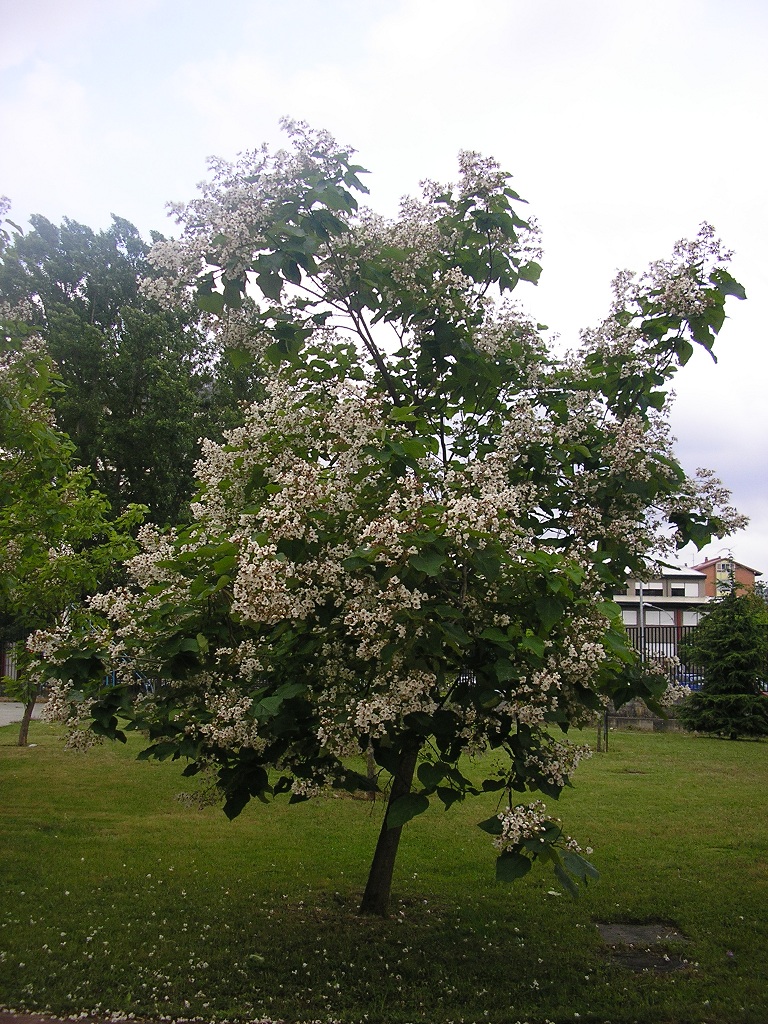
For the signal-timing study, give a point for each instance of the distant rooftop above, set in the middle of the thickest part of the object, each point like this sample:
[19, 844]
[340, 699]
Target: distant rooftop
[727, 558]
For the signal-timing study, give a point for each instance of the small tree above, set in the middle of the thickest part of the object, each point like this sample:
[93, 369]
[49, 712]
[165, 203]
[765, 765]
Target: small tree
[410, 544]
[731, 646]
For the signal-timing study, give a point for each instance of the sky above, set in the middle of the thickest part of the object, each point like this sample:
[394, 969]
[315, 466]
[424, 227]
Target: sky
[625, 124]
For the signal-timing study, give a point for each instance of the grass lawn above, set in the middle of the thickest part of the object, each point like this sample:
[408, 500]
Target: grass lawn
[117, 897]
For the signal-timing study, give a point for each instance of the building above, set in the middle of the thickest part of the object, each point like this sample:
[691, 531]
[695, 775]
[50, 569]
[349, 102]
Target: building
[659, 612]
[723, 572]
[675, 598]
[7, 662]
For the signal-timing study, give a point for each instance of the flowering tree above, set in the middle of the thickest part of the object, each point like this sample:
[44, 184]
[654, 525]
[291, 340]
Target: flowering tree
[409, 547]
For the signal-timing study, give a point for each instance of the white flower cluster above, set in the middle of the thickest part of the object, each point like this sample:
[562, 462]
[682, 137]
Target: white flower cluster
[525, 821]
[230, 725]
[558, 761]
[403, 695]
[674, 693]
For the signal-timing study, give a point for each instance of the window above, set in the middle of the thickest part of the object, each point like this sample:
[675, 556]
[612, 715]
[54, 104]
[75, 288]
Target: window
[629, 616]
[677, 591]
[690, 618]
[659, 617]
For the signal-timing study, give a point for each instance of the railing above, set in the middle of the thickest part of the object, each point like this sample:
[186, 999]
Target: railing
[141, 683]
[660, 646]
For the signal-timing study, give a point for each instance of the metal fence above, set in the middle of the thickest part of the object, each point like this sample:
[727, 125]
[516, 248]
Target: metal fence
[660, 646]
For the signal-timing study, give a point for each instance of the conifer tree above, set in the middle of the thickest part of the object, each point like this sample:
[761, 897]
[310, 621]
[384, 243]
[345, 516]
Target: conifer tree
[731, 646]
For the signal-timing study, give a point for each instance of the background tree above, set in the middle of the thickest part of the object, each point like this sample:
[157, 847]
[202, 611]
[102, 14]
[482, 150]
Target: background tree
[730, 645]
[58, 542]
[409, 544]
[141, 384]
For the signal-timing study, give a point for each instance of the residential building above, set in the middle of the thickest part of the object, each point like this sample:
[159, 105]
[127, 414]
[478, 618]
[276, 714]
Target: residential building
[676, 597]
[723, 572]
[659, 612]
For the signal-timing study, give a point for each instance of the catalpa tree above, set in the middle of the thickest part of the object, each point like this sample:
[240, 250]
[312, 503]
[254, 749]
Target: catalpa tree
[409, 548]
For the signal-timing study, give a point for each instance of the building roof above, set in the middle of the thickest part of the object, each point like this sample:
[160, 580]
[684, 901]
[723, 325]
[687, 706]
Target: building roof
[671, 572]
[725, 558]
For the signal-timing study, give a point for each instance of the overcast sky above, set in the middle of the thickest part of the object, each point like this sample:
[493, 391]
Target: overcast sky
[626, 124]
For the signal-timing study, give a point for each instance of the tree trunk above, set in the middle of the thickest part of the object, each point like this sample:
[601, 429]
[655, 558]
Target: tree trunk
[29, 707]
[370, 771]
[376, 896]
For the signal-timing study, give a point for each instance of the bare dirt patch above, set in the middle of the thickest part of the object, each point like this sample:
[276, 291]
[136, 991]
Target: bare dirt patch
[643, 947]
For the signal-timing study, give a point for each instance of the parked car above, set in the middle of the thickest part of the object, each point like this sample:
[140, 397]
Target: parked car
[689, 677]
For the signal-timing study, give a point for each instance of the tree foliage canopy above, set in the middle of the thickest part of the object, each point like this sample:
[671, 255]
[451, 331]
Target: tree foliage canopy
[58, 542]
[141, 384]
[410, 545]
[731, 646]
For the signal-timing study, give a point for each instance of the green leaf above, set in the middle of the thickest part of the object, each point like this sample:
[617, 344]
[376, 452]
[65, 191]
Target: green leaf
[239, 357]
[405, 808]
[488, 565]
[403, 413]
[510, 866]
[211, 302]
[233, 293]
[187, 644]
[267, 708]
[727, 285]
[493, 825]
[534, 644]
[158, 751]
[529, 272]
[292, 272]
[578, 866]
[456, 633]
[413, 447]
[449, 796]
[504, 670]
[235, 803]
[387, 758]
[549, 611]
[353, 562]
[271, 285]
[225, 564]
[429, 563]
[430, 774]
[566, 881]
[493, 785]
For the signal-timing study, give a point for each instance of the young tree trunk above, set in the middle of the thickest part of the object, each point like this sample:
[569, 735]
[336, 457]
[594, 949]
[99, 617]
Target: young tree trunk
[29, 707]
[376, 896]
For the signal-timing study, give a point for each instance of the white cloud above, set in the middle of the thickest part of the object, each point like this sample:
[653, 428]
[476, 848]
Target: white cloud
[43, 127]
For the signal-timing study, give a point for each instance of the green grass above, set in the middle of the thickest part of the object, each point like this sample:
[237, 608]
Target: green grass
[118, 898]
